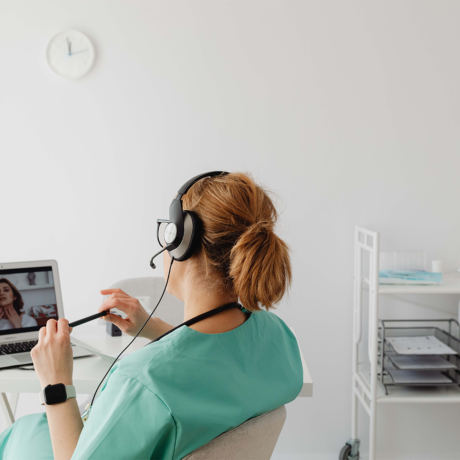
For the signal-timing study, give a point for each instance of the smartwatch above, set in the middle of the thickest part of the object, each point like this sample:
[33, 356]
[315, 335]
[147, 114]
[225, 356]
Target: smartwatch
[55, 394]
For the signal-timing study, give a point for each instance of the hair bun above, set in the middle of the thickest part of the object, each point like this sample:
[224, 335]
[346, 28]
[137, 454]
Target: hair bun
[260, 226]
[260, 266]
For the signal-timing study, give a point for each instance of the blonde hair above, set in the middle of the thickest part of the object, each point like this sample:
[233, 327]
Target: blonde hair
[238, 242]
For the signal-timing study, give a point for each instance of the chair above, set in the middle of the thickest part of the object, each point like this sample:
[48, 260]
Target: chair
[252, 440]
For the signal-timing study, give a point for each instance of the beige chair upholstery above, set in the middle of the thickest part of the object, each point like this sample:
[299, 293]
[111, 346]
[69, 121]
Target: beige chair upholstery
[170, 309]
[252, 440]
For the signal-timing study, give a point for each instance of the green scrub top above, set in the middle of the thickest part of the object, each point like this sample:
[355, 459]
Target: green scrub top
[173, 396]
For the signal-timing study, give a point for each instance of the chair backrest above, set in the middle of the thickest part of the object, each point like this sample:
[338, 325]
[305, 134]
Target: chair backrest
[170, 309]
[254, 439]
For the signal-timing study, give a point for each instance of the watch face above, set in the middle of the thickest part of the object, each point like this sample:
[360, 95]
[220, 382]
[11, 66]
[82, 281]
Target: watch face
[55, 393]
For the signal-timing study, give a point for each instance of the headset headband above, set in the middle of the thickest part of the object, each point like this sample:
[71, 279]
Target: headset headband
[176, 212]
[184, 189]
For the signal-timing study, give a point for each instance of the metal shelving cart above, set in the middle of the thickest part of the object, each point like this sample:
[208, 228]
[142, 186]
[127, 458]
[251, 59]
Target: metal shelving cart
[367, 388]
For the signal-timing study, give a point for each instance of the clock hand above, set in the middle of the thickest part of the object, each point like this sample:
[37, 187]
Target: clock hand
[82, 51]
[69, 45]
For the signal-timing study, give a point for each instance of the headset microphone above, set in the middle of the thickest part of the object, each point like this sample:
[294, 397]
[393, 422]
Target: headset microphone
[157, 254]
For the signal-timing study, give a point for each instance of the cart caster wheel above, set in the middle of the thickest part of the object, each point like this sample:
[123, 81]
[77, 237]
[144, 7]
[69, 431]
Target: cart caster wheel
[346, 453]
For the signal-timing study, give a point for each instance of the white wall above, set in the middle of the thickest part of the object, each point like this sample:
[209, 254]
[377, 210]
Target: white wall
[347, 110]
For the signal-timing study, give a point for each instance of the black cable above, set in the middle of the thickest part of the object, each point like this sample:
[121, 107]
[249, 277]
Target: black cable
[116, 359]
[198, 318]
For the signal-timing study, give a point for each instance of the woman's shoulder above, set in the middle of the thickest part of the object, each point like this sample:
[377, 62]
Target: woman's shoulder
[178, 349]
[152, 355]
[270, 320]
[185, 346]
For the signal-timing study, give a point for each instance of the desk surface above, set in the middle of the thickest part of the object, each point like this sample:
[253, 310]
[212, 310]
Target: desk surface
[88, 371]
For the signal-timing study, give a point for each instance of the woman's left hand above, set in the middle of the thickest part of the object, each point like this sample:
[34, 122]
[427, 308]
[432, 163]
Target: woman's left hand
[13, 316]
[53, 356]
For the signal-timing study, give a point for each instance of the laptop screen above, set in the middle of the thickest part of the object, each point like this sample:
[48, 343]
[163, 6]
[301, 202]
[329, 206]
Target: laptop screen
[27, 299]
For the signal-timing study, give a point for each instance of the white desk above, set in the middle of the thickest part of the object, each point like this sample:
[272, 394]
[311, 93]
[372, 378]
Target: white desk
[307, 388]
[87, 371]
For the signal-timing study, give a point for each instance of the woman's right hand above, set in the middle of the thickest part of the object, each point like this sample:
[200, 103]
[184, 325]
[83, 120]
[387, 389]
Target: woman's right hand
[136, 314]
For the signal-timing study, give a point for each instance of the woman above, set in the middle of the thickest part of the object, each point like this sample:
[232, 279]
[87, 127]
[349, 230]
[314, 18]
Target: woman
[11, 304]
[177, 394]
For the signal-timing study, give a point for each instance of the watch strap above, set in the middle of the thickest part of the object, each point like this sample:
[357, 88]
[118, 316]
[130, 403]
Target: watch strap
[70, 391]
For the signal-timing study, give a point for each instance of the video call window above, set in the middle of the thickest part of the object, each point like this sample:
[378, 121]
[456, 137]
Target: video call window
[27, 298]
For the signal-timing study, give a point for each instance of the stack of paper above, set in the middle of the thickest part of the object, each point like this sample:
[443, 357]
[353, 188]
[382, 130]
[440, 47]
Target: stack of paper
[422, 345]
[411, 377]
[420, 362]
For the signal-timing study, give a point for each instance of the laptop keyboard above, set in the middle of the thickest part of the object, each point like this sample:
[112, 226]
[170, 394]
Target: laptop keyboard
[18, 347]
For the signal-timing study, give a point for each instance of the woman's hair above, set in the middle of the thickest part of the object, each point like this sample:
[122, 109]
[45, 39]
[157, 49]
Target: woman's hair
[238, 242]
[18, 303]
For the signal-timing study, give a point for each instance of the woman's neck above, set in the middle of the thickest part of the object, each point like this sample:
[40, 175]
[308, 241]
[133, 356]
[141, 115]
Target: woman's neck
[199, 301]
[196, 306]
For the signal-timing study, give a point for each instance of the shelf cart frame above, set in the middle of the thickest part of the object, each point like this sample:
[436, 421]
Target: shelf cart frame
[368, 391]
[366, 244]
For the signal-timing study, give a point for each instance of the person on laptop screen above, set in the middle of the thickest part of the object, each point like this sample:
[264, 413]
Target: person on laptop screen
[11, 304]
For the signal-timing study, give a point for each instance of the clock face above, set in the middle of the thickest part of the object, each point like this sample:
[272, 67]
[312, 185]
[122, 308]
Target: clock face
[70, 54]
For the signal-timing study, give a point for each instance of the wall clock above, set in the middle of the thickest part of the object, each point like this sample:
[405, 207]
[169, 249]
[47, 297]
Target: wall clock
[70, 54]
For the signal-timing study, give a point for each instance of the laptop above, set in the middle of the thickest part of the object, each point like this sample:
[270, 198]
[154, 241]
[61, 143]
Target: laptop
[30, 295]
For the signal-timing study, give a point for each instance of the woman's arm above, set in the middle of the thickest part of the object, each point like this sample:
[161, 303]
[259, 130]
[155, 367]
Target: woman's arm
[136, 315]
[65, 426]
[128, 421]
[53, 362]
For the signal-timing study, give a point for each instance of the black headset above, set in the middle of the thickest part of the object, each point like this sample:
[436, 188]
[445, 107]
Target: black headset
[180, 234]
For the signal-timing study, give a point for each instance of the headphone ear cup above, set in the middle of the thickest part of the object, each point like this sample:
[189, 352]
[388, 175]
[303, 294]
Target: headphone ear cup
[191, 239]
